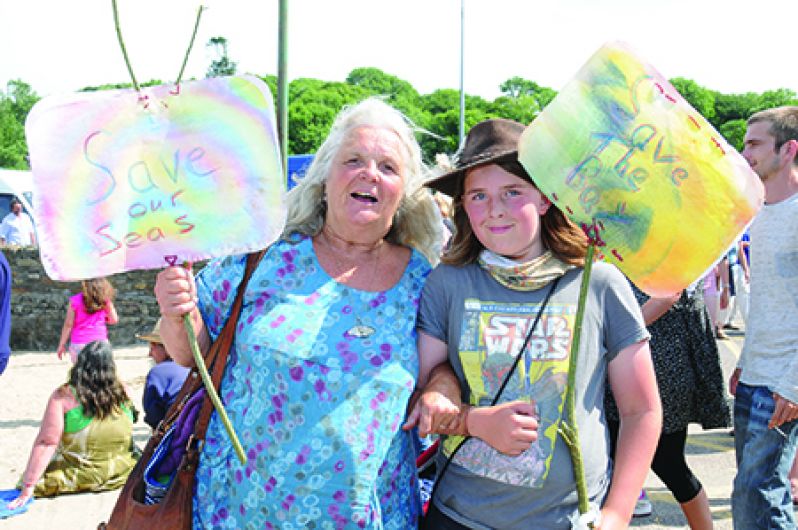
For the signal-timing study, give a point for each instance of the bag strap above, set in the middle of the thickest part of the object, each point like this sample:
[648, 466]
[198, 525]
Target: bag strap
[220, 349]
[507, 377]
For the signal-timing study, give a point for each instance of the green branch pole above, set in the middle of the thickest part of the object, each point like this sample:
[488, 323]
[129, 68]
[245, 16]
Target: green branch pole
[192, 336]
[206, 380]
[568, 428]
[122, 45]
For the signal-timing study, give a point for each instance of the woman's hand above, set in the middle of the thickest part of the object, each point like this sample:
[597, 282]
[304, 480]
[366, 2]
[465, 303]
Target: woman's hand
[434, 412]
[510, 428]
[24, 497]
[61, 351]
[176, 292]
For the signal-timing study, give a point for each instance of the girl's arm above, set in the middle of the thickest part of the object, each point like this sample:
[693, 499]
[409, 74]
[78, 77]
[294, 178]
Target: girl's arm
[110, 313]
[43, 447]
[634, 387]
[66, 331]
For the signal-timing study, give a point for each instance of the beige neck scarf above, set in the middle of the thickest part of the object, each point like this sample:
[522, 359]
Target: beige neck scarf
[529, 276]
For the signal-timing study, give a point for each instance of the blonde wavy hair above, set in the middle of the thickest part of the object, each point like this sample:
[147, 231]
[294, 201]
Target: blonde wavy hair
[416, 223]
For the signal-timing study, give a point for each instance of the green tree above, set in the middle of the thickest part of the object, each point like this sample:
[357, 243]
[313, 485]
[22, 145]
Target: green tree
[397, 92]
[734, 132]
[271, 81]
[515, 87]
[702, 99]
[222, 65]
[117, 86]
[523, 108]
[312, 107]
[730, 107]
[443, 123]
[15, 104]
[776, 98]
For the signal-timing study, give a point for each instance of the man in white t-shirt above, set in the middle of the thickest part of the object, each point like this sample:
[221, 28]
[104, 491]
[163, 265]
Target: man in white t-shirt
[765, 382]
[17, 227]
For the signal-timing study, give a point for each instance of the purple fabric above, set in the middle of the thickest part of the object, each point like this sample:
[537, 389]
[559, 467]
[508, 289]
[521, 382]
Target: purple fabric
[184, 427]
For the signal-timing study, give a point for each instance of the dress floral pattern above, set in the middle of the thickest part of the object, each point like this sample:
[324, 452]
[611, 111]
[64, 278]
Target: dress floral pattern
[318, 411]
[687, 366]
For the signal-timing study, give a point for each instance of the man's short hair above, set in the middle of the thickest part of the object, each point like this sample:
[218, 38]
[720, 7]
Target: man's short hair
[783, 124]
[14, 201]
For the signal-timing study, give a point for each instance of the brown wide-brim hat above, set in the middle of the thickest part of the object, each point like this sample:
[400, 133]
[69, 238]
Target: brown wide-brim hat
[488, 142]
[152, 336]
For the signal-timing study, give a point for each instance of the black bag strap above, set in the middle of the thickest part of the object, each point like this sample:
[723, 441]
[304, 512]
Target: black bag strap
[496, 398]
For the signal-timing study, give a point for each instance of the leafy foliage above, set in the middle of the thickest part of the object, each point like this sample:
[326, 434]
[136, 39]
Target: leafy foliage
[15, 103]
[222, 65]
[314, 103]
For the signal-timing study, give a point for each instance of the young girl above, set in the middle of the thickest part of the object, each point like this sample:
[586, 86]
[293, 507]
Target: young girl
[511, 248]
[88, 312]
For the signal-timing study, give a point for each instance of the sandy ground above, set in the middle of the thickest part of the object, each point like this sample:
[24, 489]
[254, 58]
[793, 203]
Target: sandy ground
[24, 389]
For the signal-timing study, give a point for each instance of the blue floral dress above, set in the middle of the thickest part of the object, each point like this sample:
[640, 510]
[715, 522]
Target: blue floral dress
[317, 410]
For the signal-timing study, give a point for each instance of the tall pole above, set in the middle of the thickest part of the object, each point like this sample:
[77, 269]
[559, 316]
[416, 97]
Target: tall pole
[462, 61]
[282, 85]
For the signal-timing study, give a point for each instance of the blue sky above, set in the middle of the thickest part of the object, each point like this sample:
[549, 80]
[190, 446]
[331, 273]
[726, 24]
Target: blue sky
[731, 46]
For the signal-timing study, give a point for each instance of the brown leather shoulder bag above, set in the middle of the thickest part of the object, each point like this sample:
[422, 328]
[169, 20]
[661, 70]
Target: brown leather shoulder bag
[174, 510]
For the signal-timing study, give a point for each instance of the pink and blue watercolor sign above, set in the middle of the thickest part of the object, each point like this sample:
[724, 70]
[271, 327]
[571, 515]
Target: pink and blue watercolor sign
[127, 181]
[627, 158]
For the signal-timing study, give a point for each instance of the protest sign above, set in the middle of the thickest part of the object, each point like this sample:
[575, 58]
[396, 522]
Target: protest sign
[661, 192]
[126, 180]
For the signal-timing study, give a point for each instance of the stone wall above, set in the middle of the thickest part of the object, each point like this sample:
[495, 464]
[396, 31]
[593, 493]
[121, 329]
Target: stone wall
[38, 304]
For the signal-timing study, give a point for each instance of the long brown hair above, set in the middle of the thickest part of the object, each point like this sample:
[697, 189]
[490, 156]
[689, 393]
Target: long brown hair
[93, 377]
[96, 293]
[558, 233]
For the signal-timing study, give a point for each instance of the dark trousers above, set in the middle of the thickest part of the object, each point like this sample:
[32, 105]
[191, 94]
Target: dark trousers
[669, 463]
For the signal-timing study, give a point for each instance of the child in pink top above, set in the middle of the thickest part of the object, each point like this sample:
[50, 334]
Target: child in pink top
[88, 313]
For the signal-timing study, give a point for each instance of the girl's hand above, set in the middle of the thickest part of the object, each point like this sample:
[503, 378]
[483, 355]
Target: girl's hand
[24, 496]
[611, 520]
[510, 428]
[176, 291]
[61, 351]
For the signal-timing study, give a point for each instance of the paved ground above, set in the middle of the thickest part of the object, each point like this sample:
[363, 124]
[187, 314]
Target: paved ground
[710, 455]
[31, 377]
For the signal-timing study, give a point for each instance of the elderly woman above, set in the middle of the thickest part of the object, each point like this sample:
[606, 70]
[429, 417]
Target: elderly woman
[86, 436]
[324, 360]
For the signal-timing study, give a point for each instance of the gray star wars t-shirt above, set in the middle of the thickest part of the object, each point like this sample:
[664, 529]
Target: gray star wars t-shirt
[484, 325]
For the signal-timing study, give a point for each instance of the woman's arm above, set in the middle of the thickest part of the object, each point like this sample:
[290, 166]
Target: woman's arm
[654, 308]
[110, 313]
[176, 293]
[43, 447]
[66, 331]
[634, 387]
